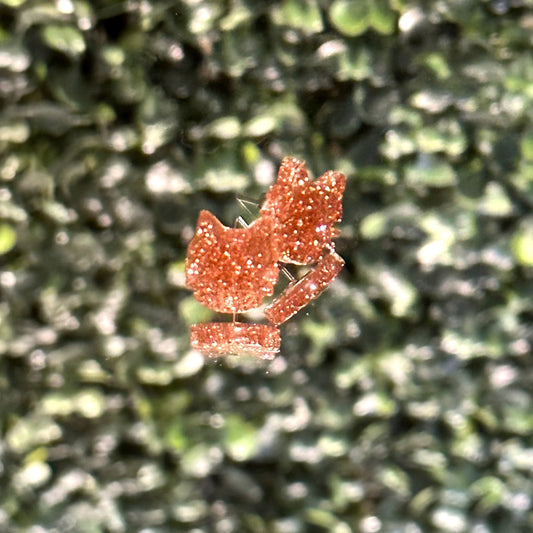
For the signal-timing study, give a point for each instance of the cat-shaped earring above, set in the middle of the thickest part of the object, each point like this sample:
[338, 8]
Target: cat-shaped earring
[305, 212]
[231, 270]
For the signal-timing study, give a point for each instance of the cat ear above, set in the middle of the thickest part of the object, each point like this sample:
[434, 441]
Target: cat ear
[208, 225]
[333, 181]
[292, 171]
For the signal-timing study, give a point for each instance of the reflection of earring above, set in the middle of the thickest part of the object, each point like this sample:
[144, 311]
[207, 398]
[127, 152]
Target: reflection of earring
[231, 270]
[305, 211]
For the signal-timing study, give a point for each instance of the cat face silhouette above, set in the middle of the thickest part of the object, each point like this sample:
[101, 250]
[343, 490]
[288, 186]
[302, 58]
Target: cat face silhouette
[305, 211]
[231, 270]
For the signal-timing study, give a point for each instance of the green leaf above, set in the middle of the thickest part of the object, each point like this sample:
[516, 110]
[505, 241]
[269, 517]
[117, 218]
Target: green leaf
[260, 125]
[65, 39]
[300, 14]
[490, 491]
[203, 16]
[355, 63]
[437, 63]
[350, 17]
[373, 226]
[225, 128]
[240, 438]
[522, 244]
[8, 238]
[430, 172]
[381, 18]
[90, 403]
[495, 202]
[526, 147]
[198, 461]
[223, 172]
[12, 3]
[176, 436]
[320, 518]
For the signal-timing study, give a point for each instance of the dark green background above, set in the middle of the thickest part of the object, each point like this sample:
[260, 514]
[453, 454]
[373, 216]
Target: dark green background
[401, 401]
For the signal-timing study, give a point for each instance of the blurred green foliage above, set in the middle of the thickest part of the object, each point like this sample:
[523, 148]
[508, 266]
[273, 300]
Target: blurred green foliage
[401, 401]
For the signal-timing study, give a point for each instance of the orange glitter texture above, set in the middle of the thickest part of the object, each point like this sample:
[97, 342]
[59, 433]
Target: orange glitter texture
[298, 294]
[304, 211]
[231, 270]
[222, 338]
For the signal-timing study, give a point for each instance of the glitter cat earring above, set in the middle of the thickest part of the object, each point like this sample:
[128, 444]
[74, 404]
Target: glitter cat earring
[305, 213]
[231, 270]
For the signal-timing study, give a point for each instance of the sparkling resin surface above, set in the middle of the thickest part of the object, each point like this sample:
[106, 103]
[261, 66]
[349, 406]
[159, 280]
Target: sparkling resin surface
[217, 339]
[305, 211]
[231, 270]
